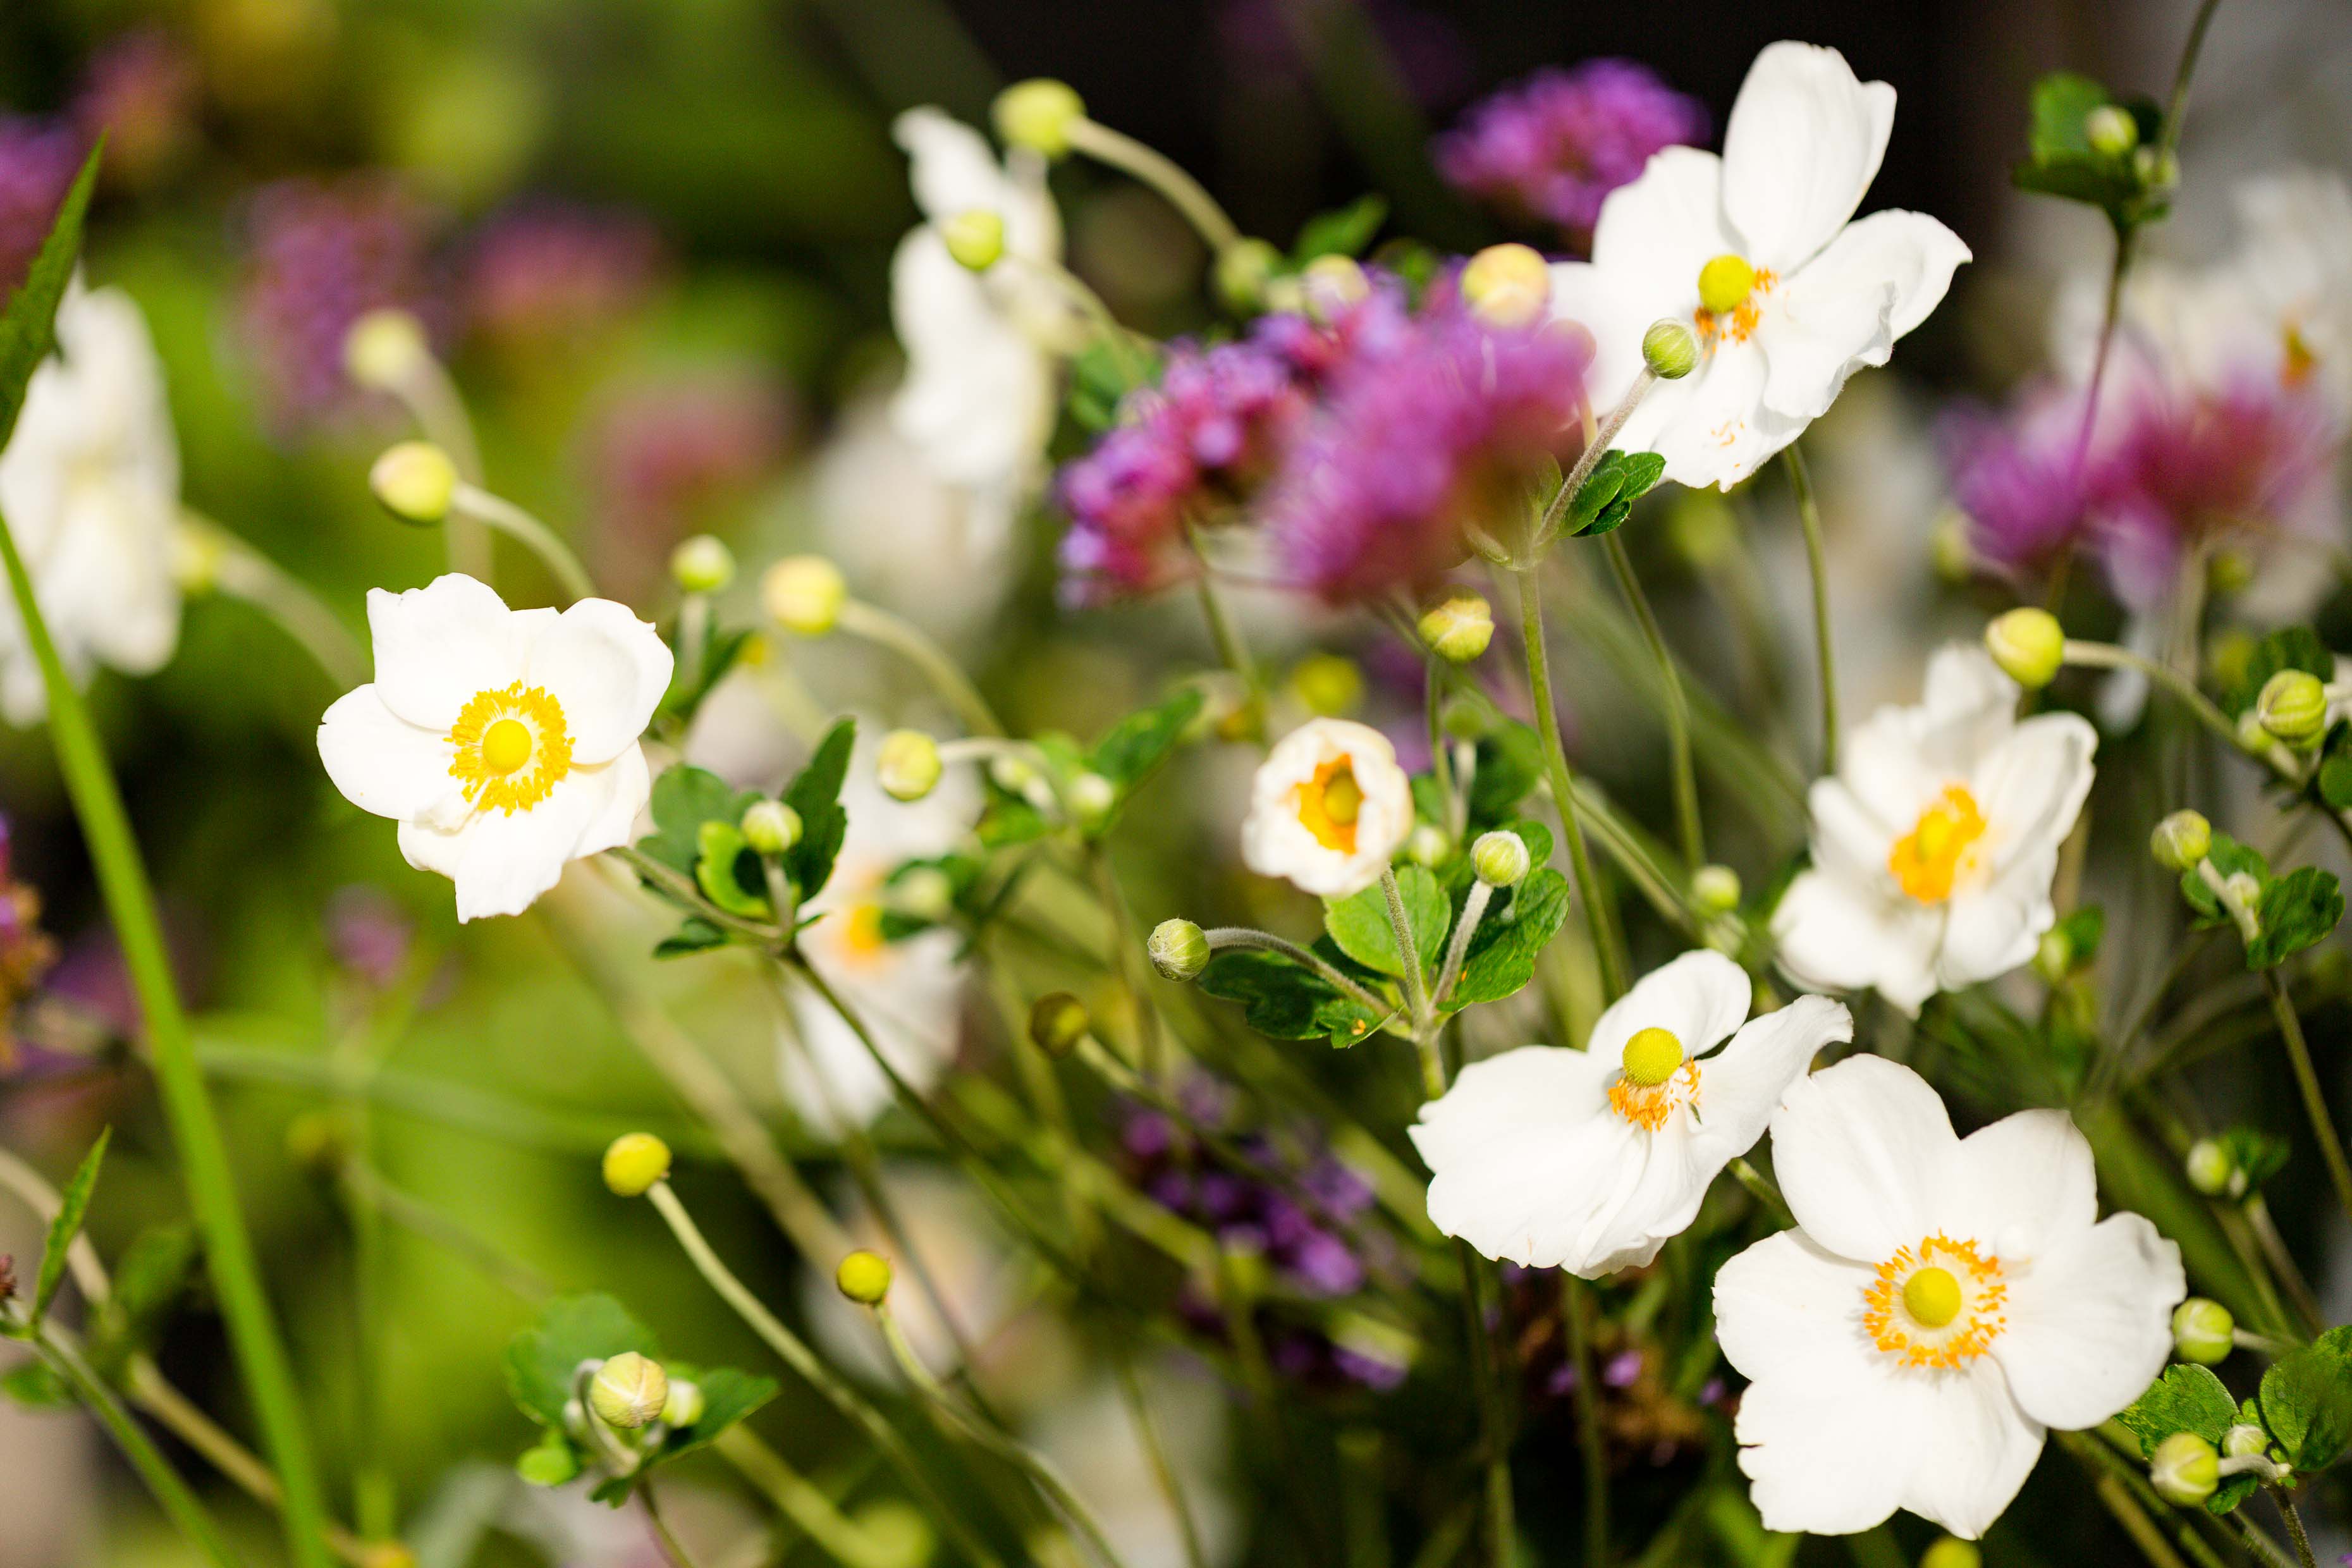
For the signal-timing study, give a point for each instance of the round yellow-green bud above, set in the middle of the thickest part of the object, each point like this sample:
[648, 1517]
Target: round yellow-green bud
[803, 593]
[1428, 845]
[2028, 643]
[1057, 1022]
[2054, 956]
[2181, 840]
[2245, 1439]
[975, 237]
[1508, 285]
[416, 481]
[635, 1162]
[907, 764]
[685, 1405]
[1091, 797]
[1652, 1056]
[1179, 950]
[925, 892]
[317, 1142]
[1037, 114]
[2212, 1170]
[2294, 706]
[864, 1277]
[2228, 655]
[1331, 685]
[1951, 1552]
[2110, 128]
[1243, 270]
[771, 827]
[384, 349]
[702, 564]
[1459, 629]
[1333, 284]
[2202, 1330]
[551, 1463]
[2184, 1469]
[1669, 350]
[1499, 858]
[628, 1391]
[896, 1532]
[1716, 889]
[1725, 283]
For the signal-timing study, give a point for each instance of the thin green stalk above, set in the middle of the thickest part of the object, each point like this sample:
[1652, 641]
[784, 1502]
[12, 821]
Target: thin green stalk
[1232, 648]
[2314, 1103]
[430, 395]
[1155, 169]
[211, 1190]
[2294, 1531]
[1222, 937]
[1760, 1188]
[471, 501]
[243, 573]
[1574, 1297]
[1126, 952]
[2109, 656]
[1502, 1529]
[1163, 1470]
[905, 638]
[1678, 739]
[2177, 105]
[1597, 911]
[1808, 517]
[1596, 446]
[800, 1499]
[672, 1547]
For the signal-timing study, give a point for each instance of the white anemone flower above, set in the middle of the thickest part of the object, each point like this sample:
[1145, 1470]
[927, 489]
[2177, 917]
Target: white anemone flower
[90, 487]
[1936, 843]
[1591, 1161]
[1753, 250]
[503, 741]
[981, 348]
[1329, 809]
[1942, 1302]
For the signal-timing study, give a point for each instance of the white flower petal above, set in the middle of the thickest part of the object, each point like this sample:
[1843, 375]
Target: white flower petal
[607, 669]
[1657, 232]
[2090, 1322]
[622, 786]
[977, 401]
[1864, 1151]
[436, 646]
[2030, 786]
[1975, 1448]
[1788, 1309]
[505, 860]
[1699, 998]
[1969, 709]
[382, 762]
[1802, 144]
[1741, 1085]
[950, 166]
[1828, 1455]
[1712, 426]
[1835, 936]
[2024, 1185]
[1991, 929]
[1881, 762]
[1617, 308]
[1908, 252]
[1277, 843]
[909, 994]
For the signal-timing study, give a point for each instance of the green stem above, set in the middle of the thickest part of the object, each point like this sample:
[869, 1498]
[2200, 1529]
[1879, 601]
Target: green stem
[2169, 139]
[2108, 656]
[1163, 1470]
[1495, 1435]
[1457, 952]
[430, 395]
[472, 501]
[672, 1547]
[1597, 913]
[2295, 1532]
[1231, 647]
[1678, 739]
[1127, 950]
[1760, 1188]
[1596, 446]
[1808, 517]
[1222, 937]
[2314, 1103]
[1574, 1296]
[243, 573]
[800, 1500]
[902, 636]
[211, 1190]
[1155, 169]
[1416, 989]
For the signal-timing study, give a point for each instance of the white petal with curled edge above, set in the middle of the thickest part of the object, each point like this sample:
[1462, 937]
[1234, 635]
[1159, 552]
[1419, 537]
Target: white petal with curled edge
[2023, 1185]
[1834, 936]
[607, 669]
[1699, 998]
[2090, 1324]
[1975, 1449]
[382, 762]
[1802, 144]
[626, 784]
[1911, 253]
[1657, 232]
[506, 859]
[1864, 1151]
[2032, 784]
[1741, 1085]
[1712, 426]
[436, 646]
[1617, 309]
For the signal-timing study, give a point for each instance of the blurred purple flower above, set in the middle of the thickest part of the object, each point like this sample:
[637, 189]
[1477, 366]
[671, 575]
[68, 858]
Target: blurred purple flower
[38, 161]
[141, 91]
[667, 457]
[2020, 478]
[1551, 148]
[543, 272]
[369, 934]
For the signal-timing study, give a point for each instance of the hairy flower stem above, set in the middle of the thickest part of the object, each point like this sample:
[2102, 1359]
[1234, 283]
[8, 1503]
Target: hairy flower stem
[1574, 1302]
[1808, 518]
[902, 636]
[1151, 1044]
[2314, 1103]
[2109, 656]
[1761, 1188]
[1596, 446]
[1599, 914]
[471, 501]
[430, 396]
[204, 1154]
[1182, 192]
[1416, 989]
[1222, 937]
[2294, 1531]
[1678, 739]
[1474, 909]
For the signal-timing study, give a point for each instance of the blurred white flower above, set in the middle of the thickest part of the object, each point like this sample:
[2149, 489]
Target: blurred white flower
[1753, 249]
[1329, 808]
[1936, 843]
[1590, 1159]
[90, 487]
[503, 741]
[1942, 1302]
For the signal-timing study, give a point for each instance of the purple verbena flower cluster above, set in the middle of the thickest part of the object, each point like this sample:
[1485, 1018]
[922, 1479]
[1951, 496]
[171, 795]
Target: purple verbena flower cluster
[1550, 149]
[543, 272]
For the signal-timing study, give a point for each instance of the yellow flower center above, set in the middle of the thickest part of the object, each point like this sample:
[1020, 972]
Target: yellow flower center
[861, 929]
[1648, 1105]
[1728, 288]
[1327, 805]
[1652, 1056]
[511, 748]
[1936, 1305]
[1929, 859]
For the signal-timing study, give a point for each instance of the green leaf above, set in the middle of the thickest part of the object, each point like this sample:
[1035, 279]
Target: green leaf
[2335, 779]
[2229, 858]
[2186, 1398]
[684, 798]
[1503, 950]
[2063, 102]
[542, 1359]
[728, 1396]
[694, 934]
[728, 872]
[1345, 232]
[1101, 377]
[72, 1209]
[2296, 911]
[1283, 1000]
[33, 1385]
[1141, 742]
[150, 1279]
[2257, 1153]
[1510, 761]
[691, 679]
[2289, 647]
[816, 795]
[2307, 1400]
[28, 331]
[1360, 924]
[2083, 930]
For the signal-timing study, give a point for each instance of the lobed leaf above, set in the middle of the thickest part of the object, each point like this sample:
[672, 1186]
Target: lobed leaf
[542, 1360]
[2307, 1400]
[2295, 911]
[816, 795]
[1343, 232]
[1503, 951]
[1360, 924]
[683, 799]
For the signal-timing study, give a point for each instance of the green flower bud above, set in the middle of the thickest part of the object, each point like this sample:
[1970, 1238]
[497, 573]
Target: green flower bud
[1499, 858]
[975, 237]
[1428, 845]
[771, 827]
[1330, 684]
[2028, 645]
[2245, 1439]
[1951, 1552]
[1245, 268]
[2054, 957]
[2201, 1331]
[2181, 840]
[908, 766]
[2294, 706]
[2110, 128]
[2212, 1170]
[2184, 1470]
[628, 1391]
[1669, 350]
[1179, 950]
[416, 481]
[1091, 797]
[1948, 549]
[635, 1162]
[1508, 285]
[702, 564]
[2243, 888]
[1459, 629]
[803, 593]
[1716, 889]
[1057, 1022]
[552, 1464]
[864, 1277]
[1333, 284]
[1037, 114]
[384, 349]
[685, 1405]
[925, 892]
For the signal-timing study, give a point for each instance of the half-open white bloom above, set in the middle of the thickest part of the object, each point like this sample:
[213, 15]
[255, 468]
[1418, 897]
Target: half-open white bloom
[978, 399]
[1329, 809]
[90, 486]
[503, 741]
[1590, 1159]
[1936, 843]
[1942, 1302]
[1753, 249]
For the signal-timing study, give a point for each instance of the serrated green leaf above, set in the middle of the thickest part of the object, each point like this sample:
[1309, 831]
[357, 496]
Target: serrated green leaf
[1344, 232]
[73, 1208]
[542, 1360]
[34, 1386]
[2229, 858]
[727, 871]
[2084, 930]
[683, 799]
[2186, 1398]
[728, 1396]
[1503, 951]
[1283, 1000]
[1139, 743]
[1360, 924]
[150, 1279]
[816, 795]
[2335, 777]
[29, 330]
[2307, 1400]
[2295, 911]
[691, 679]
[1510, 761]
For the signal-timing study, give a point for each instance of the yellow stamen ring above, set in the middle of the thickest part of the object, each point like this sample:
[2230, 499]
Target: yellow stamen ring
[511, 748]
[1929, 859]
[1938, 1305]
[1328, 804]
